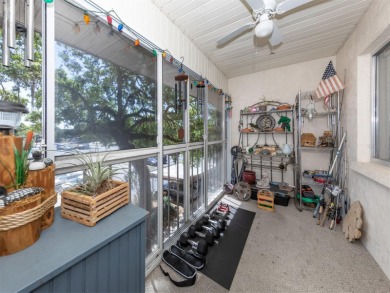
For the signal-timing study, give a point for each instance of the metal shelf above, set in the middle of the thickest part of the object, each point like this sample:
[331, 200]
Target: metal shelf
[267, 112]
[334, 126]
[271, 164]
[271, 132]
[310, 181]
[316, 149]
[320, 114]
[255, 157]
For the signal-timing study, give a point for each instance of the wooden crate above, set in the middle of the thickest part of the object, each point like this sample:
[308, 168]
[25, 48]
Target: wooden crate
[265, 200]
[89, 210]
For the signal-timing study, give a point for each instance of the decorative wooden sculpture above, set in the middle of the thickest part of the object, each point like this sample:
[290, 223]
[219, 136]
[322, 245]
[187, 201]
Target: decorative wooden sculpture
[27, 209]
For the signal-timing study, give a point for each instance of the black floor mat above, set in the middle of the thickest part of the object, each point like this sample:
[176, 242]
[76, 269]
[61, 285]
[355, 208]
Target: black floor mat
[223, 259]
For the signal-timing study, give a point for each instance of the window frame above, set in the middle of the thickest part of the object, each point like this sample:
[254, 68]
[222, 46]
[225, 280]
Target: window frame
[374, 106]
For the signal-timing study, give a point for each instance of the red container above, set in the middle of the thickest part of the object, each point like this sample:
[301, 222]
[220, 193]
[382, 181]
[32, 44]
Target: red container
[249, 177]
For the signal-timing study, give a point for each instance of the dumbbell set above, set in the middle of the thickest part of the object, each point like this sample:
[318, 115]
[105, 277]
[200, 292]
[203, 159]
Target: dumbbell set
[188, 255]
[208, 229]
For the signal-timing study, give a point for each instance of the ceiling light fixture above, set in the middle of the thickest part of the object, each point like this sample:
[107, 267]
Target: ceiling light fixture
[265, 27]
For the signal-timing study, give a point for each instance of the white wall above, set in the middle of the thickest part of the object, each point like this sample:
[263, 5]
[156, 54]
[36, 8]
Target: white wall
[281, 84]
[147, 19]
[368, 182]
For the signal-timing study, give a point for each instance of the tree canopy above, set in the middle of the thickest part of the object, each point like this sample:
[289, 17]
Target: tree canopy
[99, 101]
[24, 84]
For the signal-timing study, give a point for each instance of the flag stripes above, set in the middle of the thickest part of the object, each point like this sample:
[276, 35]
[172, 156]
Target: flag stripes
[329, 84]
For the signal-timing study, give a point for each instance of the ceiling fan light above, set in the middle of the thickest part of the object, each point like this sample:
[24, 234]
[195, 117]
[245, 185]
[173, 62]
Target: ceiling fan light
[264, 28]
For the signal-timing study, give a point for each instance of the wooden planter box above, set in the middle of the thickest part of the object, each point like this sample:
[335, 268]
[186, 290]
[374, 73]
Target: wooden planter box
[89, 210]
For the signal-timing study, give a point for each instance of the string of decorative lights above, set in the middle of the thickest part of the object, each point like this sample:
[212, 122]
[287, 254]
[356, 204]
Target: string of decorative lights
[111, 17]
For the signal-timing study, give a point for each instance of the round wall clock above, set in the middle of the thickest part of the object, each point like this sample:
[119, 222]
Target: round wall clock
[265, 122]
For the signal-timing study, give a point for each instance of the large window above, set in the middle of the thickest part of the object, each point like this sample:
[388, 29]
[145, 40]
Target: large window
[21, 81]
[196, 178]
[215, 108]
[141, 175]
[382, 105]
[174, 194]
[196, 111]
[215, 172]
[105, 87]
[174, 103]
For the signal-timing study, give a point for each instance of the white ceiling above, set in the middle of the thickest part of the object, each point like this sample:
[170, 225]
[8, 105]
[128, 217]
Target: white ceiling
[315, 30]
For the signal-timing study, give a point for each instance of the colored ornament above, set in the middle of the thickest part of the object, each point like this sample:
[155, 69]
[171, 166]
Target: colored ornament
[136, 42]
[164, 54]
[109, 19]
[154, 53]
[86, 18]
[171, 59]
[48, 1]
[120, 27]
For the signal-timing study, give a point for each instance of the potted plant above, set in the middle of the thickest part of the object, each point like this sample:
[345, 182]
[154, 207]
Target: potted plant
[98, 196]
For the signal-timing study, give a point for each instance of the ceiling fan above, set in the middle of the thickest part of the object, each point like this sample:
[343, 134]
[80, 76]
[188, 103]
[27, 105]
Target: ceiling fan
[263, 12]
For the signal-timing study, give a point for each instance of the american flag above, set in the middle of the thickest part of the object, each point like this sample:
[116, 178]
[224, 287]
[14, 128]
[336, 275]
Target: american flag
[329, 84]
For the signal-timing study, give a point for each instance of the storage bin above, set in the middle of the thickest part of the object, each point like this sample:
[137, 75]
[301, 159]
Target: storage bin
[281, 199]
[265, 200]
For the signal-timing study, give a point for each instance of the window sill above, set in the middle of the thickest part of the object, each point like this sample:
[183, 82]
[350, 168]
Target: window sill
[373, 171]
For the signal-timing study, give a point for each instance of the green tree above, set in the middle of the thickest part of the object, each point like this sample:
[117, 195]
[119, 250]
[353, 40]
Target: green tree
[22, 84]
[100, 101]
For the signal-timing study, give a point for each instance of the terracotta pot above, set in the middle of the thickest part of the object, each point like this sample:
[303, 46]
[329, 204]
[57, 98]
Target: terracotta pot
[249, 177]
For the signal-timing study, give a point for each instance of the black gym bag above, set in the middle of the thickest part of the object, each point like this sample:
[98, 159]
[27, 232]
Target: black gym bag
[184, 263]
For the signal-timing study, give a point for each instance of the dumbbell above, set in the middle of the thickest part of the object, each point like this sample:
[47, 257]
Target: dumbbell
[199, 226]
[200, 246]
[223, 207]
[221, 224]
[208, 236]
[218, 215]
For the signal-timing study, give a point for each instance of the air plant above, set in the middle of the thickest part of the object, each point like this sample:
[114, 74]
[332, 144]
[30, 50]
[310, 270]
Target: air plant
[97, 175]
[21, 161]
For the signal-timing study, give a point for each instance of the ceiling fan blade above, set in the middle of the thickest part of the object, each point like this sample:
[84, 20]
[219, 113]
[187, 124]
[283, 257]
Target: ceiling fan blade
[288, 5]
[276, 37]
[235, 33]
[255, 4]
